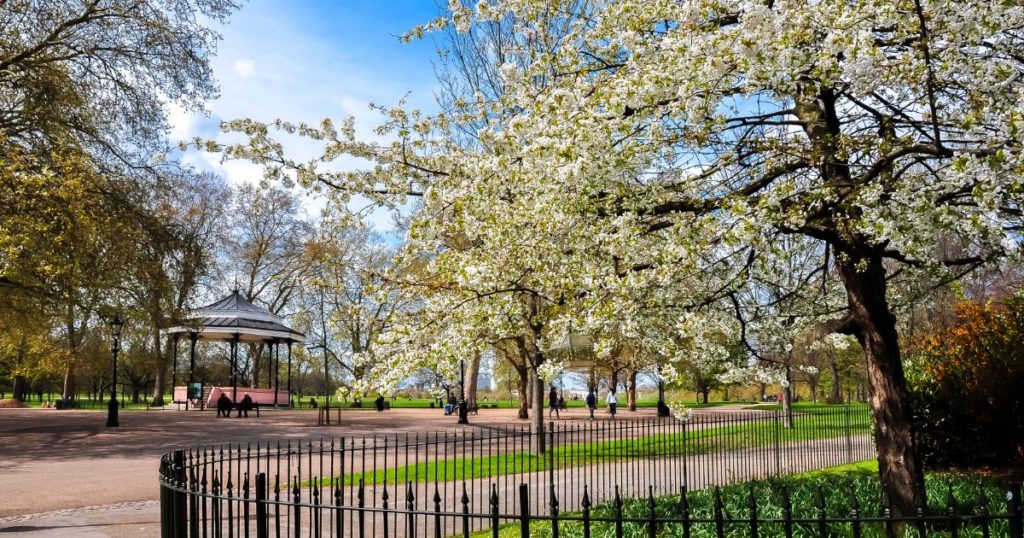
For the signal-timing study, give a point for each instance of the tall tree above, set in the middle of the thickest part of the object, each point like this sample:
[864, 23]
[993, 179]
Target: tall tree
[97, 73]
[685, 140]
[263, 254]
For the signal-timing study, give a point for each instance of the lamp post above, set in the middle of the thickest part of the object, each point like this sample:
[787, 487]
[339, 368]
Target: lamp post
[663, 410]
[112, 406]
[463, 407]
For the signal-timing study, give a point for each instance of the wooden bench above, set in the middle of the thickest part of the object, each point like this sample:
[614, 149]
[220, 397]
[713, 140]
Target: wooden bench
[255, 407]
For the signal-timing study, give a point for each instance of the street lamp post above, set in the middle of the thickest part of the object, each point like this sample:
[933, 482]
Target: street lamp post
[463, 407]
[112, 406]
[663, 410]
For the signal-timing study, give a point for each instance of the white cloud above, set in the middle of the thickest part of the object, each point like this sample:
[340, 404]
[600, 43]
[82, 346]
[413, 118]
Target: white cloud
[244, 67]
[271, 65]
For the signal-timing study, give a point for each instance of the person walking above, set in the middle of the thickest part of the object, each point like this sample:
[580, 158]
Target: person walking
[553, 402]
[612, 402]
[591, 402]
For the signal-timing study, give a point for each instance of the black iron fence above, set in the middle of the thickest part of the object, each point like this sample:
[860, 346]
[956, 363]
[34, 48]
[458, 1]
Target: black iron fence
[478, 479]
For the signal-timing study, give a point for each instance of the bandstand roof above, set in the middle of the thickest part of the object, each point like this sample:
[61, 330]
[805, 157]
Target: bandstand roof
[577, 351]
[234, 316]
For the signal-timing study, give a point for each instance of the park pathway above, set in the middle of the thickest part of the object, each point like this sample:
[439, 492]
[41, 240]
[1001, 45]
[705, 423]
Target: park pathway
[64, 474]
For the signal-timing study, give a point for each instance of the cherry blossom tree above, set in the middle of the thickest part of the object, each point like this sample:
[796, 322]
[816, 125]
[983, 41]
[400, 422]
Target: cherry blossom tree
[685, 146]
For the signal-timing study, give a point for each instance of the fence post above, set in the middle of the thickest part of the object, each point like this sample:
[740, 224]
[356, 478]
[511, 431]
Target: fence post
[822, 518]
[245, 504]
[360, 504]
[849, 435]
[465, 511]
[618, 513]
[384, 496]
[684, 511]
[437, 512]
[890, 528]
[778, 442]
[166, 523]
[983, 514]
[262, 522]
[951, 512]
[752, 512]
[410, 505]
[919, 511]
[787, 512]
[719, 509]
[652, 514]
[553, 503]
[854, 512]
[586, 512]
[297, 500]
[494, 511]
[1015, 511]
[524, 510]
[179, 495]
[193, 503]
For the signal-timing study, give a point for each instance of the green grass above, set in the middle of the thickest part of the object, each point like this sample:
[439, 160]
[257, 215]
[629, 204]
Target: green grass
[805, 407]
[860, 468]
[87, 404]
[695, 441]
[837, 484]
[424, 403]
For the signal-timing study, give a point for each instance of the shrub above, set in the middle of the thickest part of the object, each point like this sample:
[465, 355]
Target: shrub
[967, 387]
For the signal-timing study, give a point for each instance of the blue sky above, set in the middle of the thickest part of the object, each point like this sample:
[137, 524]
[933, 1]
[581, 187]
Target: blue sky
[306, 60]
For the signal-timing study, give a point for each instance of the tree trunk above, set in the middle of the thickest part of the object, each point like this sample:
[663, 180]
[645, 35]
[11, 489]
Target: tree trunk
[160, 377]
[256, 352]
[725, 397]
[68, 391]
[704, 395]
[529, 388]
[836, 396]
[763, 388]
[472, 375]
[20, 388]
[787, 406]
[538, 410]
[632, 391]
[874, 325]
[524, 401]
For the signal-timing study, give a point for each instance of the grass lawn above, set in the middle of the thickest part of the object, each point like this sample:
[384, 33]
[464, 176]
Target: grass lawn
[648, 401]
[695, 441]
[87, 404]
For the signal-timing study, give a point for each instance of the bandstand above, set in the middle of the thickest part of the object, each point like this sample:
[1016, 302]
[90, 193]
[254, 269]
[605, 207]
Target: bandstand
[234, 320]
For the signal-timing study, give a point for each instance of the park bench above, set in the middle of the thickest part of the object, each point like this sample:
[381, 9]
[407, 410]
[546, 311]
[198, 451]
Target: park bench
[254, 407]
[474, 409]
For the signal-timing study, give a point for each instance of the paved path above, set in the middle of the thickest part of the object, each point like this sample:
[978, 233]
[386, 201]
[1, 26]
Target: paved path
[62, 473]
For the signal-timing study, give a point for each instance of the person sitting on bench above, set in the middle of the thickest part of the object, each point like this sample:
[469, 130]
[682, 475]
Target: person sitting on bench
[223, 405]
[244, 406]
[450, 408]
